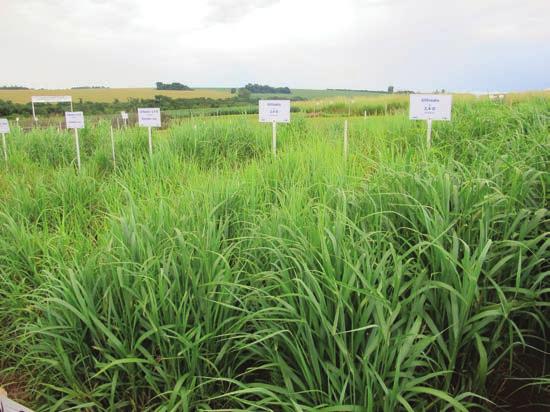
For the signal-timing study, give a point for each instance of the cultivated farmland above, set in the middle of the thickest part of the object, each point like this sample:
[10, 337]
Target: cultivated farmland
[216, 276]
[109, 95]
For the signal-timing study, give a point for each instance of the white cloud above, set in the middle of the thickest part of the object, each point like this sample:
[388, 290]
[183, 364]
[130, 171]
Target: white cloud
[227, 11]
[426, 44]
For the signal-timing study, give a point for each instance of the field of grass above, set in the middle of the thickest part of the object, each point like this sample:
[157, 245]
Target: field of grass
[317, 94]
[109, 95]
[214, 276]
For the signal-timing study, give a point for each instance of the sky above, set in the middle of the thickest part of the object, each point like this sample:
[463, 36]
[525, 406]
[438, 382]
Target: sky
[421, 45]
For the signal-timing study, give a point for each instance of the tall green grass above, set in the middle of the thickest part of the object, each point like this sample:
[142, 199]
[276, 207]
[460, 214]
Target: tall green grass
[214, 276]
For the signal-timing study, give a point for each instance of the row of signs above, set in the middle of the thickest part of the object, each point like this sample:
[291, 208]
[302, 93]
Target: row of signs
[422, 107]
[149, 117]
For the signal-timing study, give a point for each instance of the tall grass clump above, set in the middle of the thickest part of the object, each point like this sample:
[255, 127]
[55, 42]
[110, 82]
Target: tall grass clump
[213, 276]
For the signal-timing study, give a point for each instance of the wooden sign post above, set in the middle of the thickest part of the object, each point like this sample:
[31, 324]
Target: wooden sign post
[149, 117]
[75, 120]
[274, 111]
[4, 129]
[113, 147]
[430, 107]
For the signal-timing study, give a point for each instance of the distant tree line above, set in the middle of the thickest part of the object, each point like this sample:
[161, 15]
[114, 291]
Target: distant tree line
[172, 86]
[259, 88]
[14, 88]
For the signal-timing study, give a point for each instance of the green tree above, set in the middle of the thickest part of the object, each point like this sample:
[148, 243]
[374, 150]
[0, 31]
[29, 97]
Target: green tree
[390, 89]
[244, 94]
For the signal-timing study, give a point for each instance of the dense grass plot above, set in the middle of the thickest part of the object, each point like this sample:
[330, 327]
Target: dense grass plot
[215, 277]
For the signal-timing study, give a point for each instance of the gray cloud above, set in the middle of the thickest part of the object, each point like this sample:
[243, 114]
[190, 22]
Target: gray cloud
[426, 44]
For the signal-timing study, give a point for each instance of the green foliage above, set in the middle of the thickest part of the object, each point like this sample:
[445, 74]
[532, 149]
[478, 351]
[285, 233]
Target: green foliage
[8, 108]
[13, 88]
[244, 94]
[171, 86]
[258, 88]
[216, 277]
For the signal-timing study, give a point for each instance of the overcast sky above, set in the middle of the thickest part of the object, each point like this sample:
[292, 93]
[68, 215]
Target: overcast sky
[468, 45]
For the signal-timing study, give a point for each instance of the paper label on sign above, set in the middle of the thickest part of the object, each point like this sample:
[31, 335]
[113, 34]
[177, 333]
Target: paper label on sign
[430, 106]
[149, 117]
[74, 120]
[4, 126]
[274, 111]
[124, 115]
[51, 99]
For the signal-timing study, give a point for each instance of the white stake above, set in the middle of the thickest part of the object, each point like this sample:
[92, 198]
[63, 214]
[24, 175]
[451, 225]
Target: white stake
[345, 139]
[77, 144]
[125, 123]
[274, 139]
[113, 147]
[150, 143]
[117, 124]
[429, 133]
[365, 114]
[5, 147]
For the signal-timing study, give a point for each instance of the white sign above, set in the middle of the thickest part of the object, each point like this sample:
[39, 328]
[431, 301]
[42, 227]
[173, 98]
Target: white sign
[274, 111]
[124, 115]
[51, 99]
[4, 126]
[149, 117]
[74, 120]
[430, 107]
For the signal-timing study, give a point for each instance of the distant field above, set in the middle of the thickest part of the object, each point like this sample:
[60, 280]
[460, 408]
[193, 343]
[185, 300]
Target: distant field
[123, 94]
[108, 95]
[317, 94]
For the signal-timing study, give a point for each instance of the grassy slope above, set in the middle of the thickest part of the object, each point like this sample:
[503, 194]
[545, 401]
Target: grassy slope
[216, 277]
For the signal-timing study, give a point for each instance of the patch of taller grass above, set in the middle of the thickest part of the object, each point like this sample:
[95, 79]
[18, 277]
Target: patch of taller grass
[214, 276]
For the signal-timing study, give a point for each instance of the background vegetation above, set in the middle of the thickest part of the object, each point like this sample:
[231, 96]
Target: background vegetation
[172, 86]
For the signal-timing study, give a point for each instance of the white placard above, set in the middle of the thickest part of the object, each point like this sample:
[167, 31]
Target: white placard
[430, 107]
[149, 117]
[4, 126]
[7, 405]
[124, 115]
[51, 99]
[74, 120]
[274, 111]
